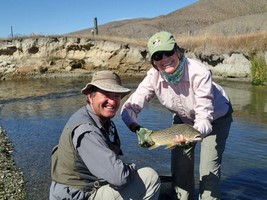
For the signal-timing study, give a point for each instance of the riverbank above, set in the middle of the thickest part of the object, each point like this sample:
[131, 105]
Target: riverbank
[12, 184]
[48, 56]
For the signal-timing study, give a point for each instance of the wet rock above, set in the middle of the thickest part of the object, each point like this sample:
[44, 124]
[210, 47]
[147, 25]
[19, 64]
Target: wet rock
[12, 185]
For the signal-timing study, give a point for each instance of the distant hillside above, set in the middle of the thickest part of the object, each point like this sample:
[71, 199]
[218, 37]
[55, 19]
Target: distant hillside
[226, 17]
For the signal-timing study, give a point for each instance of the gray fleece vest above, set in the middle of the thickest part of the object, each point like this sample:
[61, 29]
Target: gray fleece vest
[66, 166]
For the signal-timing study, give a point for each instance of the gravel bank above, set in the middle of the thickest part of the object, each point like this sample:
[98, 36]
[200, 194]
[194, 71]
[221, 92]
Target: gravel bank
[12, 185]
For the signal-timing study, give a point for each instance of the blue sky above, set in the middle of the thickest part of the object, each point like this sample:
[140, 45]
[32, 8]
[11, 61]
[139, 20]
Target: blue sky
[48, 17]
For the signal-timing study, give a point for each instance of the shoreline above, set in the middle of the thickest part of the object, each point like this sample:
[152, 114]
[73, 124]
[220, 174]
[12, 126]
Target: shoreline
[12, 184]
[74, 74]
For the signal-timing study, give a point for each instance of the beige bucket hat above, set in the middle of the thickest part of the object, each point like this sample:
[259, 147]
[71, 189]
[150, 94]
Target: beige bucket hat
[108, 81]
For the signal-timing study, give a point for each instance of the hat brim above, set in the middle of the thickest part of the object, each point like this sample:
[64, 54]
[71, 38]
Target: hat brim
[106, 86]
[165, 47]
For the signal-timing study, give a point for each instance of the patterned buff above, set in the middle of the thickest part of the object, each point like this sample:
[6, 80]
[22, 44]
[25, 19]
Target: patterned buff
[176, 76]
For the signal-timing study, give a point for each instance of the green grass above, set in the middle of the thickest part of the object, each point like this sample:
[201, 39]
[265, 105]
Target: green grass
[258, 69]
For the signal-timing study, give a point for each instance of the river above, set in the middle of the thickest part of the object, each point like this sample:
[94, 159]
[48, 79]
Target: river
[34, 112]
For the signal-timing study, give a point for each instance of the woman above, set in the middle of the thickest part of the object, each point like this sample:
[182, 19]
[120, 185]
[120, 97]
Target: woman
[185, 87]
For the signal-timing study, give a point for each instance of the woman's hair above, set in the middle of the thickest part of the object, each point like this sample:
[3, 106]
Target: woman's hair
[178, 50]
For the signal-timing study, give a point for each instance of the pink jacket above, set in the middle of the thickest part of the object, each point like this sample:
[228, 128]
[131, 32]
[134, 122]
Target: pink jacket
[196, 99]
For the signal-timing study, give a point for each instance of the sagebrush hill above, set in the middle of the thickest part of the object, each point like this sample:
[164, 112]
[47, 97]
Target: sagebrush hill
[205, 17]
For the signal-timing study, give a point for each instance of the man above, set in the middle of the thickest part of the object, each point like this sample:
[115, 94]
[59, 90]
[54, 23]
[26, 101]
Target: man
[86, 162]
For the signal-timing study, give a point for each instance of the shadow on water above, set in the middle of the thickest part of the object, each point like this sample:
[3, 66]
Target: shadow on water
[56, 95]
[235, 187]
[246, 185]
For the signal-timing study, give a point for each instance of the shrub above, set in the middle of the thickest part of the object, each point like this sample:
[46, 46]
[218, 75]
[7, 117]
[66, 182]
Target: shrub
[258, 69]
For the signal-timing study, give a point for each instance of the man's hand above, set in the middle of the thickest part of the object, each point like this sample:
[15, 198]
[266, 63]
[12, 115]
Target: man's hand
[143, 135]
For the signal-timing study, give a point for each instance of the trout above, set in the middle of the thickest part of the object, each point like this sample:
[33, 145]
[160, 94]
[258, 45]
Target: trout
[165, 137]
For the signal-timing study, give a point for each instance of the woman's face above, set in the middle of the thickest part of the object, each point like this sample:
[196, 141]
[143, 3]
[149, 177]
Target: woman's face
[166, 61]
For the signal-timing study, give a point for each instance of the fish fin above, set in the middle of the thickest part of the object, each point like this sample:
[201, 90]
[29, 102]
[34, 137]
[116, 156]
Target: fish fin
[195, 139]
[154, 146]
[170, 146]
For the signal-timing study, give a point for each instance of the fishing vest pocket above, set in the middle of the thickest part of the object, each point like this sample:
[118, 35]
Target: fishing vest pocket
[54, 149]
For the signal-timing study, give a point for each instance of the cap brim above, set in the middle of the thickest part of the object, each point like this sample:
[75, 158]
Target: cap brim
[165, 47]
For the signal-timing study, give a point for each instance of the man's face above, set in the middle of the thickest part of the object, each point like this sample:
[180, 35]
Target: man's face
[105, 104]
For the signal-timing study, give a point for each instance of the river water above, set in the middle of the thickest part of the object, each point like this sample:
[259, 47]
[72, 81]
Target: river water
[33, 112]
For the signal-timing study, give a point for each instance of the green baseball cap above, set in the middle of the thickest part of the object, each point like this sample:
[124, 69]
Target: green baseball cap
[161, 41]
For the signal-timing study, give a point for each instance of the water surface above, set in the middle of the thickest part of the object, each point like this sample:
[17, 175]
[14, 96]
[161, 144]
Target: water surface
[34, 112]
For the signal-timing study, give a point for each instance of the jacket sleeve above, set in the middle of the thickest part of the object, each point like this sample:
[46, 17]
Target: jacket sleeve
[204, 106]
[100, 160]
[136, 102]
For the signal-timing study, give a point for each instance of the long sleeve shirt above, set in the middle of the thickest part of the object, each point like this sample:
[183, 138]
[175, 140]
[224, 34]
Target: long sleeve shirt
[95, 152]
[196, 99]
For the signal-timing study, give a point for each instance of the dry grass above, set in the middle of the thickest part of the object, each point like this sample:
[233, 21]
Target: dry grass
[252, 42]
[205, 44]
[224, 17]
[217, 26]
[246, 43]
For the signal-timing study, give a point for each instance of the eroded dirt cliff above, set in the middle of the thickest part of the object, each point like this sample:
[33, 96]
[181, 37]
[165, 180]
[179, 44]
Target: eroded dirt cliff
[64, 56]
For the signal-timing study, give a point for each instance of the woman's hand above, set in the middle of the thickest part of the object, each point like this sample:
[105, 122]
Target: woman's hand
[180, 139]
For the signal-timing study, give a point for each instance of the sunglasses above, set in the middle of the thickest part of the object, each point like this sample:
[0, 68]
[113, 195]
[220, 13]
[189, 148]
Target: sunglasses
[159, 55]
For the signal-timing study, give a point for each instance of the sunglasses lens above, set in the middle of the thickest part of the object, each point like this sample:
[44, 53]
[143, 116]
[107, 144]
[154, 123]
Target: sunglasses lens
[169, 53]
[159, 55]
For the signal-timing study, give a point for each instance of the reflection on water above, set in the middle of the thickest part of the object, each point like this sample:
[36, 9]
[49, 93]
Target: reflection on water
[33, 112]
[249, 102]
